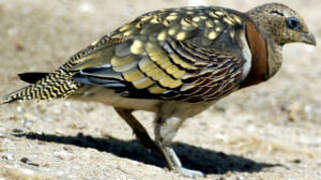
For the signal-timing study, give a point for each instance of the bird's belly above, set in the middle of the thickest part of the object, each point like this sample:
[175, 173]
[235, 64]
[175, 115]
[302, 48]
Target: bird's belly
[109, 97]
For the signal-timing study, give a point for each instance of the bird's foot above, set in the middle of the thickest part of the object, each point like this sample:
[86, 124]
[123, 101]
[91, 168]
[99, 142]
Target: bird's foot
[189, 173]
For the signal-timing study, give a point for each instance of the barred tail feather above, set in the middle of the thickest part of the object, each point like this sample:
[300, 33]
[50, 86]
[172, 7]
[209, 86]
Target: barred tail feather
[54, 85]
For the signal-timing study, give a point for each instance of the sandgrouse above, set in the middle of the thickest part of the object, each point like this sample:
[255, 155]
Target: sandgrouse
[174, 62]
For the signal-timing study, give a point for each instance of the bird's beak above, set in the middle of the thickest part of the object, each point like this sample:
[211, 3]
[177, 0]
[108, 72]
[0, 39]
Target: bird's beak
[309, 39]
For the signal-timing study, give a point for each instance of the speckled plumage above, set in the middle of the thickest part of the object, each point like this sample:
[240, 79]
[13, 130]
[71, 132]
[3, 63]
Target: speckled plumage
[174, 62]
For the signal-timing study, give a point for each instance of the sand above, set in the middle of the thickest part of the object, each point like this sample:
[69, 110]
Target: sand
[270, 131]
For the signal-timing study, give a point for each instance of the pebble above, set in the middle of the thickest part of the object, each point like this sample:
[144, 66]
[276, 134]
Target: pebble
[86, 8]
[17, 130]
[63, 155]
[297, 161]
[9, 157]
[68, 149]
[19, 46]
[59, 132]
[19, 109]
[29, 116]
[25, 160]
[28, 161]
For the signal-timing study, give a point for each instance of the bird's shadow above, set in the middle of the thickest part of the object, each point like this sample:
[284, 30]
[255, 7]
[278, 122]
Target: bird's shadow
[192, 157]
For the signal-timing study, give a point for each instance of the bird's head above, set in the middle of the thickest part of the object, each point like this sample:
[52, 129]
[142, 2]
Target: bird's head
[281, 23]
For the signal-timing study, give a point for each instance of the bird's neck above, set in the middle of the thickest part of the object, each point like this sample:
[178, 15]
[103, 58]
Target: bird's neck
[266, 56]
[275, 58]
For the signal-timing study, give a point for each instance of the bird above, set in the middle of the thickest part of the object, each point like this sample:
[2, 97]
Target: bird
[175, 62]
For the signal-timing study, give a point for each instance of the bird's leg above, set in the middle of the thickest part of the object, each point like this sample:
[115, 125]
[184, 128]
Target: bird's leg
[165, 130]
[138, 129]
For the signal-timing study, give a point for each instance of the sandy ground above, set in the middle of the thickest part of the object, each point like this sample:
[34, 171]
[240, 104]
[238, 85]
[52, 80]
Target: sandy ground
[271, 131]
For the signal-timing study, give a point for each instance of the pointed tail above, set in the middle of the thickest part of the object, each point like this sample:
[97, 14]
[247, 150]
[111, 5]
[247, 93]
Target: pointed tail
[45, 86]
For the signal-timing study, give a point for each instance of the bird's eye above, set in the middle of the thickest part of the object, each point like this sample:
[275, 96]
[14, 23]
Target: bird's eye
[293, 23]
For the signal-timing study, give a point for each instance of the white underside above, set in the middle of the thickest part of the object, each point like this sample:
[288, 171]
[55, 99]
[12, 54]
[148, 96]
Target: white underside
[109, 97]
[166, 108]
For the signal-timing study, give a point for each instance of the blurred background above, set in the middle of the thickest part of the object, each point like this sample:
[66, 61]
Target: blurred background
[277, 122]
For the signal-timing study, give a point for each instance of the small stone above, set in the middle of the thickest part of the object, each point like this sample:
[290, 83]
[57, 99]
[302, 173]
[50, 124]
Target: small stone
[73, 126]
[25, 160]
[294, 111]
[9, 157]
[4, 157]
[297, 161]
[16, 130]
[86, 8]
[19, 109]
[67, 148]
[28, 161]
[19, 47]
[28, 116]
[59, 132]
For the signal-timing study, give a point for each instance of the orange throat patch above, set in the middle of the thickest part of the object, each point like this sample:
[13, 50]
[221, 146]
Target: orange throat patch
[259, 66]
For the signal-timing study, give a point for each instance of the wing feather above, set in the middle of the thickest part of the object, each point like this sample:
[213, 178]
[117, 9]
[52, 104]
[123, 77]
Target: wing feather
[169, 54]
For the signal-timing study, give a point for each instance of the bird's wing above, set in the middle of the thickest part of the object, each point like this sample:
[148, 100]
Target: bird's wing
[189, 54]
